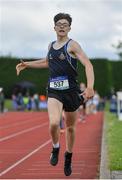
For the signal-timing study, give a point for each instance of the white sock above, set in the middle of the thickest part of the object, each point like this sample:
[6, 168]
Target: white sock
[56, 145]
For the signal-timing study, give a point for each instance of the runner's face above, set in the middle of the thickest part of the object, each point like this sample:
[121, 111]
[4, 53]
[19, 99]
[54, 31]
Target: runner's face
[62, 27]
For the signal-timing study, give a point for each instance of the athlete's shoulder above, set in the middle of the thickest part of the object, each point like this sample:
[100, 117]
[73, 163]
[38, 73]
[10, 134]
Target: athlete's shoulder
[50, 44]
[74, 44]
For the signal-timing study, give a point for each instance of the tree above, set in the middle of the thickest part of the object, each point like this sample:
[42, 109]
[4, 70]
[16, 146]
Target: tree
[119, 49]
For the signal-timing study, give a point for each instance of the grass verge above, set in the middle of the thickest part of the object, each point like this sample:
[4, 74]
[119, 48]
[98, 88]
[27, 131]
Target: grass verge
[114, 141]
[8, 104]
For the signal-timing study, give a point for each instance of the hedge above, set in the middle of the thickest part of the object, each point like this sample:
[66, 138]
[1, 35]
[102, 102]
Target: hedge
[107, 75]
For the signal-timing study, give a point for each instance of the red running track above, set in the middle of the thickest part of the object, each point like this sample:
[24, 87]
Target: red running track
[25, 147]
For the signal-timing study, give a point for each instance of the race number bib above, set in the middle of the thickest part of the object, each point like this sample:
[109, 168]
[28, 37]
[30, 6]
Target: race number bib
[59, 83]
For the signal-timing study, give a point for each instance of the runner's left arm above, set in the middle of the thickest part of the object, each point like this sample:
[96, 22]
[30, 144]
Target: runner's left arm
[81, 56]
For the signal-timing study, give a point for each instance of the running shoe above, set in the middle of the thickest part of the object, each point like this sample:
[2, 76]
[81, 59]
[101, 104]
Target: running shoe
[54, 156]
[67, 163]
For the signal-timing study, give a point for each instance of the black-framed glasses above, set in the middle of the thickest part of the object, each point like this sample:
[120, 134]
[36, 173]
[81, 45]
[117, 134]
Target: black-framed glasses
[62, 24]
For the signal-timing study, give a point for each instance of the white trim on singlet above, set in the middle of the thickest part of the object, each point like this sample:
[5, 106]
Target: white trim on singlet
[68, 56]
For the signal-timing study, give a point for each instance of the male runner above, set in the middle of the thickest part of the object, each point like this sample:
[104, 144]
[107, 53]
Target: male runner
[63, 89]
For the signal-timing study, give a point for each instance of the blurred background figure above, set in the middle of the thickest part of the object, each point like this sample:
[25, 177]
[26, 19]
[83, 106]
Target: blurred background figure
[113, 104]
[89, 107]
[62, 128]
[14, 101]
[2, 100]
[43, 102]
[25, 101]
[36, 101]
[20, 103]
[82, 108]
[95, 102]
[30, 101]
[101, 105]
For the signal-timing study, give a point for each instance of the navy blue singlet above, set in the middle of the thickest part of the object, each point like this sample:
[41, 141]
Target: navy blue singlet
[62, 69]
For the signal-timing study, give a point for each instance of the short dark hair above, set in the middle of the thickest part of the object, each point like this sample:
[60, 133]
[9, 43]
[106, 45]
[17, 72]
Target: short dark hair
[59, 16]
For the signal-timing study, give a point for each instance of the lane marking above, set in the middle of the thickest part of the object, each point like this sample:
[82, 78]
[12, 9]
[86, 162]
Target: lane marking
[49, 173]
[26, 157]
[22, 132]
[19, 123]
[23, 118]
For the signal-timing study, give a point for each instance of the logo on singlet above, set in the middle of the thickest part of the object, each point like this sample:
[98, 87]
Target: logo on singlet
[62, 56]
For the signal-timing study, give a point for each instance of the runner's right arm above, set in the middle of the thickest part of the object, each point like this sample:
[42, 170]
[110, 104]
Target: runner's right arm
[41, 63]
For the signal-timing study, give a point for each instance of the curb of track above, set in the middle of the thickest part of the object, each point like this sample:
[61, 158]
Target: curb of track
[104, 169]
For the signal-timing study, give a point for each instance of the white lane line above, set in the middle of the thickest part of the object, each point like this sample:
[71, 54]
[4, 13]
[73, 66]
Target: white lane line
[24, 158]
[18, 123]
[51, 173]
[22, 132]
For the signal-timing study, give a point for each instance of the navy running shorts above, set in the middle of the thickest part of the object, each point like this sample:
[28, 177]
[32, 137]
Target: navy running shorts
[70, 100]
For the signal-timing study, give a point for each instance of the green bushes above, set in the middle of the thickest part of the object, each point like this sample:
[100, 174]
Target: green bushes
[8, 77]
[117, 75]
[102, 80]
[107, 75]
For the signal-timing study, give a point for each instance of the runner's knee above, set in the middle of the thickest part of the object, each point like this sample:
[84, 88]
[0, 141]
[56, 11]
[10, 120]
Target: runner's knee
[71, 129]
[54, 124]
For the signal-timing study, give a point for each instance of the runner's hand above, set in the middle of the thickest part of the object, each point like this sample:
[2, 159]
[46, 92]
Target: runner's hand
[21, 66]
[88, 94]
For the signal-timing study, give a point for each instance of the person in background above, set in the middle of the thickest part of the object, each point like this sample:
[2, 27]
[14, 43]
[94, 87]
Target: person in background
[113, 104]
[20, 103]
[62, 119]
[14, 101]
[36, 101]
[29, 105]
[82, 108]
[95, 102]
[2, 100]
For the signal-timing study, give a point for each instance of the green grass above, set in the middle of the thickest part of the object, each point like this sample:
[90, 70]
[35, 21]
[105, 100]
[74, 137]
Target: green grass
[114, 141]
[8, 104]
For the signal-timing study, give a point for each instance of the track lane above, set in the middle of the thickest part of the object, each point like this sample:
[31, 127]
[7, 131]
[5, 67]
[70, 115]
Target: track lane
[16, 147]
[22, 132]
[24, 158]
[9, 118]
[21, 127]
[85, 160]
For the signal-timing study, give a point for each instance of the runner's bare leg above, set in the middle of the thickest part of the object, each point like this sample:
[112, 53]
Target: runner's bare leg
[54, 112]
[70, 129]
